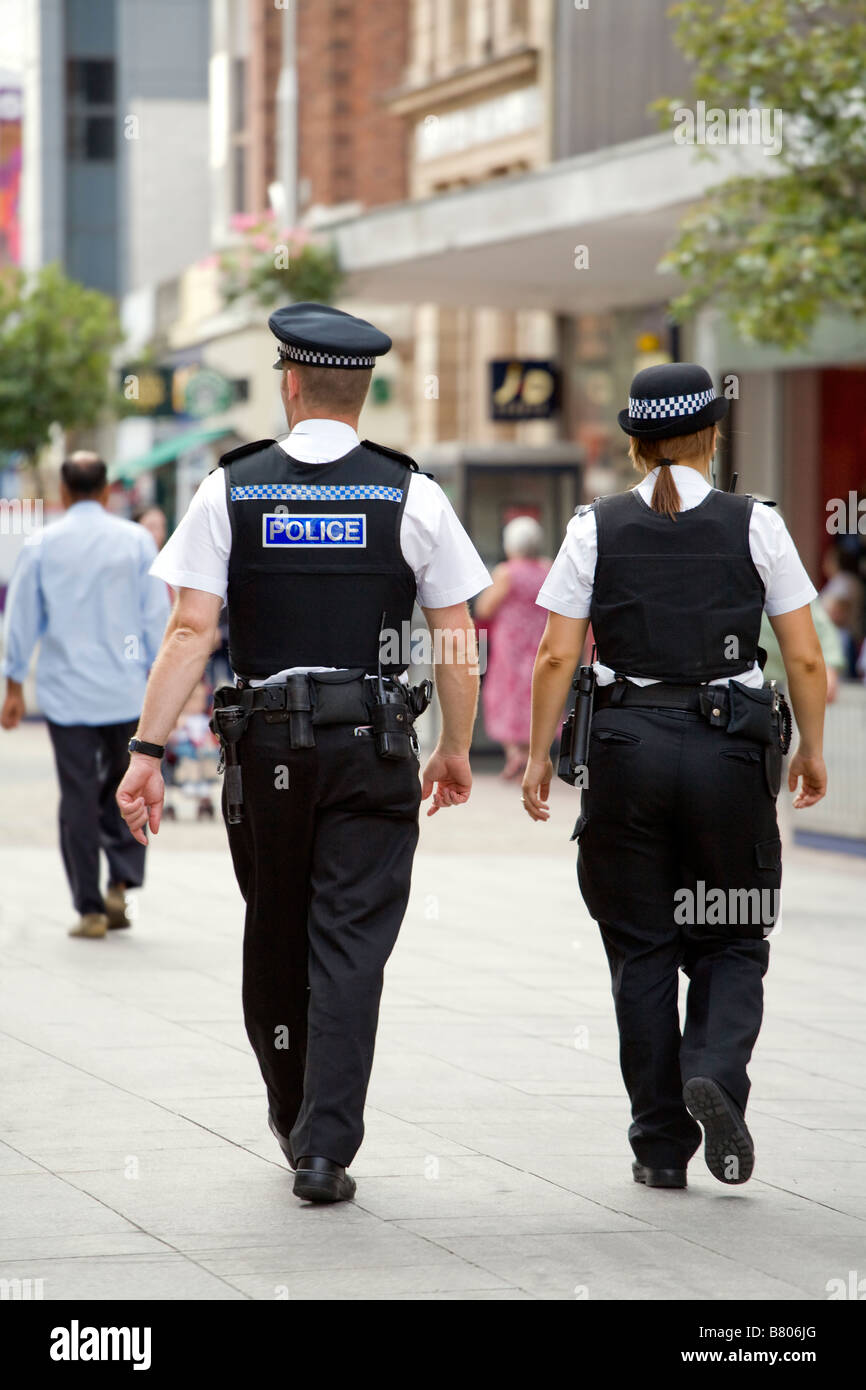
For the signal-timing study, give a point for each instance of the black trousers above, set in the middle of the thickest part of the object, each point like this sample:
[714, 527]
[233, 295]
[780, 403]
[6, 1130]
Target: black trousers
[674, 809]
[91, 760]
[323, 858]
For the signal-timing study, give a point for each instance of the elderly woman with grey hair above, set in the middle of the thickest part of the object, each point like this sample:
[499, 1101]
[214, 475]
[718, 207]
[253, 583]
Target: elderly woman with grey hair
[517, 624]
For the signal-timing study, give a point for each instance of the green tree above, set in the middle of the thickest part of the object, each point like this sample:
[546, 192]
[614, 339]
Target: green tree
[56, 339]
[775, 251]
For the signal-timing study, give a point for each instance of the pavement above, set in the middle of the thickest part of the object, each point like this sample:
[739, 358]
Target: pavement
[136, 1162]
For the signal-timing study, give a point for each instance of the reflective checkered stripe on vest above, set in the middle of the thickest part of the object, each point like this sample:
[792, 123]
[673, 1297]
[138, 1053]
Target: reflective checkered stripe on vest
[680, 600]
[315, 559]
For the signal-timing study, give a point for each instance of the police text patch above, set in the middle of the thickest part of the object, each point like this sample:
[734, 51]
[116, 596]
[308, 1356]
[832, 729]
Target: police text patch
[305, 531]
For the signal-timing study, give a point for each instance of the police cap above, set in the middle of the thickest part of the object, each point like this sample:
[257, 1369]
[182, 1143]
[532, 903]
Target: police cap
[325, 337]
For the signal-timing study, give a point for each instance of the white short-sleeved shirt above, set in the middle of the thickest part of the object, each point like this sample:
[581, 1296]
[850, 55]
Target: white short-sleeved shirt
[446, 565]
[567, 588]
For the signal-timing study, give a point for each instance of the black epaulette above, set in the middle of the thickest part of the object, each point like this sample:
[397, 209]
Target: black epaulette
[589, 507]
[764, 501]
[243, 449]
[392, 454]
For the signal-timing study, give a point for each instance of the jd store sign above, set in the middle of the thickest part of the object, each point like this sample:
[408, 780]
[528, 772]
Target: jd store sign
[523, 389]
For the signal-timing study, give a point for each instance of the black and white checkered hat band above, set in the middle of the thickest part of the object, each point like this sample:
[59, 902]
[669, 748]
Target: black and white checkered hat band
[664, 407]
[289, 353]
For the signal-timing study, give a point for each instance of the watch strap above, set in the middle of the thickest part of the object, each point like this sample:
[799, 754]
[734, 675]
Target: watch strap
[153, 750]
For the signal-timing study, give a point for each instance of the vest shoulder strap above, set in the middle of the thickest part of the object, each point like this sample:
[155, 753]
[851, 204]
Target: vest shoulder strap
[391, 454]
[589, 507]
[243, 450]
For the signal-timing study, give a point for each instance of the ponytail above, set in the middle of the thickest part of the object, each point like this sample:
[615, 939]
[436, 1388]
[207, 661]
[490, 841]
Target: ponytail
[666, 497]
[647, 454]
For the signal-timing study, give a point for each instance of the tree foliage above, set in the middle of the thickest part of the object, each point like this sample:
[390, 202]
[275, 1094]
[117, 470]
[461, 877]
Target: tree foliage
[56, 339]
[776, 251]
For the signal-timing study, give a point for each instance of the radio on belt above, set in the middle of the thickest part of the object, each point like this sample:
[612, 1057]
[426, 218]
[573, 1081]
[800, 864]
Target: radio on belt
[390, 717]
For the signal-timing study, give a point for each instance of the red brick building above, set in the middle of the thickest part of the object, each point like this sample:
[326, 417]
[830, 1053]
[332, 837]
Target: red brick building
[349, 58]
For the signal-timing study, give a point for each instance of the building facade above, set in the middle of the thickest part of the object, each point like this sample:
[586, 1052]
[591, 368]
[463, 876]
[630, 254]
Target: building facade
[115, 182]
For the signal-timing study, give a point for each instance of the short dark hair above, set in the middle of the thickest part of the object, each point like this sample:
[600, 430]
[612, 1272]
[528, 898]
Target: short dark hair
[333, 388]
[84, 474]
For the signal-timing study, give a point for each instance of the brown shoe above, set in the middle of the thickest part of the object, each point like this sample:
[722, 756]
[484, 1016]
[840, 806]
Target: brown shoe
[115, 906]
[90, 924]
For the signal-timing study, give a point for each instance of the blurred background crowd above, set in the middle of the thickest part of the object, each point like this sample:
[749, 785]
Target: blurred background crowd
[502, 186]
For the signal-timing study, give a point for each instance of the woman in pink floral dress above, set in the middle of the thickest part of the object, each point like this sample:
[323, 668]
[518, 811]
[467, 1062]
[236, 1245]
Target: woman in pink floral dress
[516, 625]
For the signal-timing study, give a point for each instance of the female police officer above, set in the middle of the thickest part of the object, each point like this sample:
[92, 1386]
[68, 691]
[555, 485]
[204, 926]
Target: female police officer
[678, 819]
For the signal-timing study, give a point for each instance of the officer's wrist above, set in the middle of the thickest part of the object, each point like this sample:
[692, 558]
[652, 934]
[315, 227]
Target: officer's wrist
[810, 754]
[447, 749]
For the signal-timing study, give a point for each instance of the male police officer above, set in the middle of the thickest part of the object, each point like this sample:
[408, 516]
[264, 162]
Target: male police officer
[318, 544]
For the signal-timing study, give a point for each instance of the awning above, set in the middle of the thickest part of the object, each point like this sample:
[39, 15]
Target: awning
[125, 470]
[513, 243]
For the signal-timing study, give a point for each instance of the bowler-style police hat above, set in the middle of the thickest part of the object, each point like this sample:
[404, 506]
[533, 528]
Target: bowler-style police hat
[325, 337]
[672, 399]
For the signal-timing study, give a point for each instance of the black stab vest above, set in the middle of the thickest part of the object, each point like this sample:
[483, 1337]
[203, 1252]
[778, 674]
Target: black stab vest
[671, 594]
[315, 558]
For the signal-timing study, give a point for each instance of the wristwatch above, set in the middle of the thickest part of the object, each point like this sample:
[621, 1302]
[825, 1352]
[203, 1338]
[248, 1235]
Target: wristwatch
[153, 750]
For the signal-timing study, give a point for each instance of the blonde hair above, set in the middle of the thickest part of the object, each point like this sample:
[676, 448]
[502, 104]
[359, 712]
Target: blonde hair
[645, 454]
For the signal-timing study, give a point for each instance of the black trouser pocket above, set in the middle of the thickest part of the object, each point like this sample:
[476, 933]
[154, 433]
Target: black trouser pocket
[741, 755]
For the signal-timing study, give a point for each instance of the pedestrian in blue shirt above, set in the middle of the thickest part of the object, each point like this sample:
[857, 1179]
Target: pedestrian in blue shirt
[82, 591]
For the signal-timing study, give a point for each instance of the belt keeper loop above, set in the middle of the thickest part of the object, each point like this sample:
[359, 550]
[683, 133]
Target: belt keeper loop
[617, 694]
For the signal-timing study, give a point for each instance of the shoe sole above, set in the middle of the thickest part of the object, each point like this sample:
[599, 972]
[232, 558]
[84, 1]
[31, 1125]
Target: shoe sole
[321, 1187]
[728, 1148]
[672, 1184]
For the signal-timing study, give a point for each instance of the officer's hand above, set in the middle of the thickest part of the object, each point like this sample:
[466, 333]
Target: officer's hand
[814, 779]
[536, 788]
[453, 779]
[13, 710]
[141, 794]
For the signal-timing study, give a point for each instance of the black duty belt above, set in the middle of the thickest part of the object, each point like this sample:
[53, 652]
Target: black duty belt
[758, 712]
[316, 698]
[661, 696]
[381, 708]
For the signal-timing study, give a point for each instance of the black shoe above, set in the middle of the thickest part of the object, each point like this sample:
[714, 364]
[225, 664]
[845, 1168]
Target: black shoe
[283, 1143]
[321, 1180]
[658, 1177]
[728, 1147]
